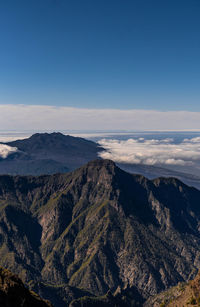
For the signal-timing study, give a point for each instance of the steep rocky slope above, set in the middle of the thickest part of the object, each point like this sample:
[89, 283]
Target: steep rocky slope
[60, 295]
[99, 228]
[13, 293]
[121, 298]
[184, 294]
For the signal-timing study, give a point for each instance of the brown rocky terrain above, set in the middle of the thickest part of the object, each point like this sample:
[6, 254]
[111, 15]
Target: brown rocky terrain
[184, 294]
[97, 229]
[14, 294]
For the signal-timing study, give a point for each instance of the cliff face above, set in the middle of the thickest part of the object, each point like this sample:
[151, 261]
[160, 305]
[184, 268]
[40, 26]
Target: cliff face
[13, 292]
[183, 294]
[99, 228]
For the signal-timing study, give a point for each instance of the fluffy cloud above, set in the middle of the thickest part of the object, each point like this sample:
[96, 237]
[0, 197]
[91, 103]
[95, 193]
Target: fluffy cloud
[152, 152]
[6, 150]
[40, 117]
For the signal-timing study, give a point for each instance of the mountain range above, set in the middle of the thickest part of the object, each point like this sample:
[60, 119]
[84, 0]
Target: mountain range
[49, 153]
[98, 229]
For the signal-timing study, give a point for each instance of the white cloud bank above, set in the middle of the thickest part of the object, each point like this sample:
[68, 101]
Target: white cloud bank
[152, 152]
[6, 150]
[40, 117]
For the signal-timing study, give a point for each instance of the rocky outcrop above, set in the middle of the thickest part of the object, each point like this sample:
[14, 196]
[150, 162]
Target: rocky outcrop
[183, 294]
[14, 293]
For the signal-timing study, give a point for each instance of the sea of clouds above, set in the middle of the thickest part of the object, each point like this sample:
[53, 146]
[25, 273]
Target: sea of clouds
[6, 150]
[152, 152]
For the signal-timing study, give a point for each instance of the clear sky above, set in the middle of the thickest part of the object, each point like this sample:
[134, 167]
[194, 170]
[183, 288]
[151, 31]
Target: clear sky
[122, 54]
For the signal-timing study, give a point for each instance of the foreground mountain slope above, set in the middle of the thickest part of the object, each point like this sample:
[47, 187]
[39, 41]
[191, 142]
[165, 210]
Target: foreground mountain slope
[99, 228]
[121, 298]
[48, 153]
[60, 295]
[184, 294]
[13, 292]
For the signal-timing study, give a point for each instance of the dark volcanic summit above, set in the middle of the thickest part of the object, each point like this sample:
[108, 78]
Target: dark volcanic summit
[98, 229]
[45, 153]
[54, 143]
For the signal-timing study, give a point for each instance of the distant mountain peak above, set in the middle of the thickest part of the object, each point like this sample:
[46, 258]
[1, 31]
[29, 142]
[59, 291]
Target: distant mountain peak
[53, 140]
[48, 153]
[46, 134]
[45, 137]
[51, 135]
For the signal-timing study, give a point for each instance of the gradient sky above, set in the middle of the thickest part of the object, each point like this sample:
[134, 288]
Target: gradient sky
[142, 54]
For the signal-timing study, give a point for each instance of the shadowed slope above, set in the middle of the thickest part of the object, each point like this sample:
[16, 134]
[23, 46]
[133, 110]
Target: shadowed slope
[13, 292]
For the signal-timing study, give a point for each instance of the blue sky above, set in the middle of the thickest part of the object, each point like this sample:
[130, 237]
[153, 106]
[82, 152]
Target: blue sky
[142, 54]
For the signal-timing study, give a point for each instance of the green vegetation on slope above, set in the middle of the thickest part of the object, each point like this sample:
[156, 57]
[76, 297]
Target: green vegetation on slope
[98, 229]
